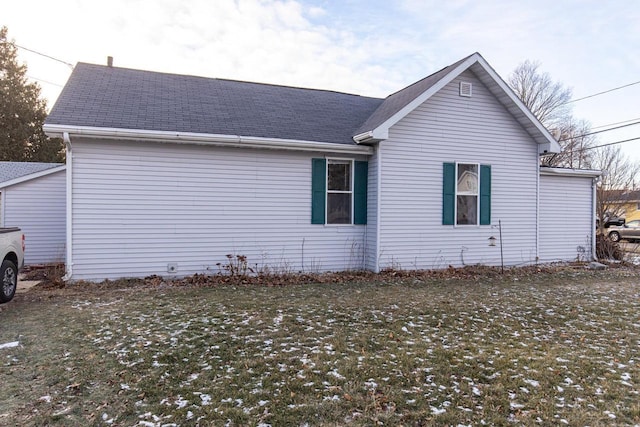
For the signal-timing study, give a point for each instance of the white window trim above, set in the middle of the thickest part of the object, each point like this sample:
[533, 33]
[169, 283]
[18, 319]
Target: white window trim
[455, 202]
[326, 192]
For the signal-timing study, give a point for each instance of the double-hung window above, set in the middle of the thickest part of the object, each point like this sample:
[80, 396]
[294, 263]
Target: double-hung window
[338, 191]
[467, 186]
[466, 194]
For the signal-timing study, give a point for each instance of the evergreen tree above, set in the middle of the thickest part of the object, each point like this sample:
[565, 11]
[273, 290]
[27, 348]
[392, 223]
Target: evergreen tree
[22, 112]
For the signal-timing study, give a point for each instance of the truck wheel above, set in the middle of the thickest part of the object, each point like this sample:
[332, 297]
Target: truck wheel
[8, 281]
[614, 236]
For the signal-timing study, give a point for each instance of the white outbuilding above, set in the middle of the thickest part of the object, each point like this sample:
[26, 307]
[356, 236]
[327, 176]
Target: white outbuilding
[33, 197]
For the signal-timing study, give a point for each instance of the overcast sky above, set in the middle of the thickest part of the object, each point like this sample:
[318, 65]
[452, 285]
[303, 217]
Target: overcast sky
[372, 47]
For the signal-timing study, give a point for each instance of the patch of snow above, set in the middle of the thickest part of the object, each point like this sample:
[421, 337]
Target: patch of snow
[336, 374]
[9, 344]
[181, 403]
[437, 411]
[206, 399]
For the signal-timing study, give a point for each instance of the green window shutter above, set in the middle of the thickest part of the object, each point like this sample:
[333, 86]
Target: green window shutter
[448, 193]
[318, 190]
[485, 195]
[361, 171]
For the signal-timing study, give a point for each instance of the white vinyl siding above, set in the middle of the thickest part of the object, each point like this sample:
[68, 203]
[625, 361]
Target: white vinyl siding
[138, 207]
[38, 207]
[567, 220]
[450, 128]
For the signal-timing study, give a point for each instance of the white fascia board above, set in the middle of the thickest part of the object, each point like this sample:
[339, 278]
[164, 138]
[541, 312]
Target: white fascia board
[203, 139]
[32, 176]
[383, 129]
[587, 173]
[382, 132]
[553, 145]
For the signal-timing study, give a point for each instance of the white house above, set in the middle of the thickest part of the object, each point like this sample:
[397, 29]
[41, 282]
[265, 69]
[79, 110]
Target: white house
[32, 197]
[167, 174]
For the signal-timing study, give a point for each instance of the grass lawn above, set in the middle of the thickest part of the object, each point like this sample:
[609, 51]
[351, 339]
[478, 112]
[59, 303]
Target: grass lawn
[528, 347]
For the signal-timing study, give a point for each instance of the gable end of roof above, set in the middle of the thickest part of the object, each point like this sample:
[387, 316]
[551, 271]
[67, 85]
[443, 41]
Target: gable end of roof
[401, 103]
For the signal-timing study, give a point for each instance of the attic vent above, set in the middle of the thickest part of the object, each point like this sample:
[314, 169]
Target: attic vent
[465, 89]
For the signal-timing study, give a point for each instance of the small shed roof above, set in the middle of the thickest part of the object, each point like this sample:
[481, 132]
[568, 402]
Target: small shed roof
[10, 171]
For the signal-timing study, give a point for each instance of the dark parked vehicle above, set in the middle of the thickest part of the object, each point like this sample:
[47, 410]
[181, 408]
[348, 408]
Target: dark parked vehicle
[629, 231]
[609, 222]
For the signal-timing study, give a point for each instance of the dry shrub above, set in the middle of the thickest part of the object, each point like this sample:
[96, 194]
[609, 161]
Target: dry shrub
[49, 275]
[606, 249]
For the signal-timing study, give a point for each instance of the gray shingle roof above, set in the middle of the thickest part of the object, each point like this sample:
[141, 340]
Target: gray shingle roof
[397, 101]
[101, 96]
[12, 170]
[121, 98]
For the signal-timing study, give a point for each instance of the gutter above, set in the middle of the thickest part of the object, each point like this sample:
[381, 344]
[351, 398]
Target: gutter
[363, 137]
[54, 130]
[569, 172]
[69, 155]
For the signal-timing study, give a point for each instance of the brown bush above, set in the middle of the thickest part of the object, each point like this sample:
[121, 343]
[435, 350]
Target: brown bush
[606, 249]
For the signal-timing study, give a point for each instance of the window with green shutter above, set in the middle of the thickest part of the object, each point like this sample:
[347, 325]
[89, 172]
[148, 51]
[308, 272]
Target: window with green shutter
[339, 191]
[466, 194]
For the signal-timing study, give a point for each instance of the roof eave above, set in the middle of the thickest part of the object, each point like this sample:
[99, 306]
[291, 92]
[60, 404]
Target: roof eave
[546, 143]
[371, 137]
[592, 173]
[57, 130]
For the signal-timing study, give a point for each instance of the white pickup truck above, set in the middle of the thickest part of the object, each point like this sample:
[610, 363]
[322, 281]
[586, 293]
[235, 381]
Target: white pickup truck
[12, 251]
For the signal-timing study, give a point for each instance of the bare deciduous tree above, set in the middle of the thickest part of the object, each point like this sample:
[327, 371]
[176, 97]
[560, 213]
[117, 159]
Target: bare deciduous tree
[576, 143]
[546, 99]
[618, 175]
[549, 102]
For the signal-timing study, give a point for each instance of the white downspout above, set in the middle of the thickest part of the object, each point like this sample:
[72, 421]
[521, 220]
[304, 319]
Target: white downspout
[538, 213]
[378, 149]
[593, 219]
[69, 200]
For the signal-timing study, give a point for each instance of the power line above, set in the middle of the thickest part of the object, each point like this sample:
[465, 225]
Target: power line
[44, 81]
[602, 93]
[605, 145]
[616, 123]
[599, 131]
[45, 55]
